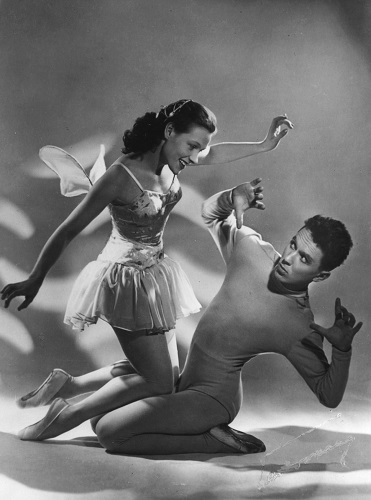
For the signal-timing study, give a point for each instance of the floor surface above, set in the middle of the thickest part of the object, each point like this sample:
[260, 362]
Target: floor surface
[76, 74]
[321, 456]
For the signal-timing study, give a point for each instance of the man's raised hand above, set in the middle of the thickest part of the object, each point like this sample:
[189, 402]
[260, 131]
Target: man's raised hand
[245, 196]
[341, 334]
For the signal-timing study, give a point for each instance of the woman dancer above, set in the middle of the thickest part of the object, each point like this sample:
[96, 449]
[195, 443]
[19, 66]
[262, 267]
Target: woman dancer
[133, 285]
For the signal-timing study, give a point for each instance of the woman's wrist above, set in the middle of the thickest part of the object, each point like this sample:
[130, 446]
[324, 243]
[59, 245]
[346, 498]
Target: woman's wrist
[264, 146]
[36, 277]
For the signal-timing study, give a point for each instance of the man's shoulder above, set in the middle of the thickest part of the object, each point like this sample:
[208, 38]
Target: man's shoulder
[250, 237]
[248, 231]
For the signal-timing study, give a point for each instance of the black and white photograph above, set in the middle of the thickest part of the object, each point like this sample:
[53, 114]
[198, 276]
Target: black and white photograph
[184, 260]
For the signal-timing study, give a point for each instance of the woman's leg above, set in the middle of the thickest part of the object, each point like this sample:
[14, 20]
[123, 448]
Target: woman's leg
[149, 356]
[153, 375]
[92, 381]
[171, 424]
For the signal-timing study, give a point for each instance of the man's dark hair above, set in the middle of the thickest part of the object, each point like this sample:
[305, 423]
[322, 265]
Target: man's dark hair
[332, 237]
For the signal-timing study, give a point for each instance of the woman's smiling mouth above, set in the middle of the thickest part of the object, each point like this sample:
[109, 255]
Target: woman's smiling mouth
[183, 163]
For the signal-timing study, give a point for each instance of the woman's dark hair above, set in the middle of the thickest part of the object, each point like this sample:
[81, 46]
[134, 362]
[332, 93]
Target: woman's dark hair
[332, 237]
[148, 130]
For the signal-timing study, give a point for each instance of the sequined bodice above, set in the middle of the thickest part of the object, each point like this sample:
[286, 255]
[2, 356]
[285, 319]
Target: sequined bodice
[144, 220]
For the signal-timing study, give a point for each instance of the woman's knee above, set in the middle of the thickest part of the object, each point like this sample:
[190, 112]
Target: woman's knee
[122, 367]
[149, 357]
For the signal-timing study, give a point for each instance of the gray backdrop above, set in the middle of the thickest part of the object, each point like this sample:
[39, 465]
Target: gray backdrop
[75, 73]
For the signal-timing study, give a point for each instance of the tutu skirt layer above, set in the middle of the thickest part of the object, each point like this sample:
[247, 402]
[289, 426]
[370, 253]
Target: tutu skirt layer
[131, 297]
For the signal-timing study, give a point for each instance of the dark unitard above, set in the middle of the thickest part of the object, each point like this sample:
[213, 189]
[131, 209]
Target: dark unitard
[252, 314]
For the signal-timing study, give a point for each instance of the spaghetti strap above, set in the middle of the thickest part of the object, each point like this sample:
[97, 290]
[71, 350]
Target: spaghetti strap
[172, 182]
[131, 175]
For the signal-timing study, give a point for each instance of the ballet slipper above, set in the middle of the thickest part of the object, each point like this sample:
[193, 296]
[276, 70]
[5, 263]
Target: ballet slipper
[244, 443]
[47, 427]
[44, 394]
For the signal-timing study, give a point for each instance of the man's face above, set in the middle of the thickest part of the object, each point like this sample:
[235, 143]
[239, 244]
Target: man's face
[300, 262]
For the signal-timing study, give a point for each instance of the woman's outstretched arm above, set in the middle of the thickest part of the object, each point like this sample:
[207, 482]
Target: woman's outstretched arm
[101, 194]
[226, 152]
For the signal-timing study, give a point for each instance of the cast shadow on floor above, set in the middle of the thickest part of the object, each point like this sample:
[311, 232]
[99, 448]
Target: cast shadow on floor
[67, 465]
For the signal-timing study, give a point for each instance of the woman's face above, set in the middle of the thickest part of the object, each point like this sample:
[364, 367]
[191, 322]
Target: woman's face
[182, 149]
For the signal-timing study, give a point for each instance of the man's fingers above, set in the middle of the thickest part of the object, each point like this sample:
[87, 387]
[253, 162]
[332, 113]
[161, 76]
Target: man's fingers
[357, 328]
[344, 315]
[238, 212]
[259, 205]
[256, 181]
[338, 314]
[351, 319]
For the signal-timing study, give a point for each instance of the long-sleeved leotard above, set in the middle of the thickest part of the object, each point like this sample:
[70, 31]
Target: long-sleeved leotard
[254, 314]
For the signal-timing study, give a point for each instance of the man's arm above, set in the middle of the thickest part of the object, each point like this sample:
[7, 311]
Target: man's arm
[342, 333]
[217, 213]
[327, 381]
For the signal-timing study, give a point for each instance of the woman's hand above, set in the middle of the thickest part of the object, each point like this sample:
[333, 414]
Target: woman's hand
[28, 288]
[278, 129]
[341, 334]
[245, 196]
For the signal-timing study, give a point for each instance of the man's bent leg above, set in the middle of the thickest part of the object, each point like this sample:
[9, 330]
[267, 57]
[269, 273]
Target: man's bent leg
[170, 424]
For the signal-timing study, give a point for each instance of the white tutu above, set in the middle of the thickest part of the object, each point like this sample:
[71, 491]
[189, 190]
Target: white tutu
[133, 287]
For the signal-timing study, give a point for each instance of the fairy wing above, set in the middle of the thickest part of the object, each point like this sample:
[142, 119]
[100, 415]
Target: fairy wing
[99, 167]
[74, 178]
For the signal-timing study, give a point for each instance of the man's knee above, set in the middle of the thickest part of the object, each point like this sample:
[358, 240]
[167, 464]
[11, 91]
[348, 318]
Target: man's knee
[104, 435]
[107, 438]
[94, 422]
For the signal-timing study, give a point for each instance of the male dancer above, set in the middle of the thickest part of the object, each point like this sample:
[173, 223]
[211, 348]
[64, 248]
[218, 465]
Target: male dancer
[262, 307]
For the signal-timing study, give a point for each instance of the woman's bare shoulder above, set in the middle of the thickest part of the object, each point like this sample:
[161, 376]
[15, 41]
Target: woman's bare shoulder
[126, 188]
